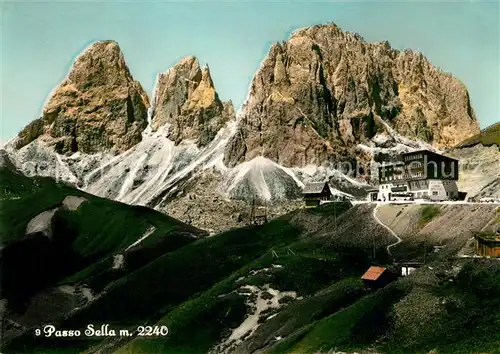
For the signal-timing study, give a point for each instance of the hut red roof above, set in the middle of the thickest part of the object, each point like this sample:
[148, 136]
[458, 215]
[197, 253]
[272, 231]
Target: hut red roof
[373, 273]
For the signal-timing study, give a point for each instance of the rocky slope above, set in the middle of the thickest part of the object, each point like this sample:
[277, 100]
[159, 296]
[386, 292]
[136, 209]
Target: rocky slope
[487, 137]
[98, 107]
[452, 226]
[480, 163]
[322, 92]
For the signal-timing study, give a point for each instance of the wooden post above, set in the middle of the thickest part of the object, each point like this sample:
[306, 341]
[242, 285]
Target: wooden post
[253, 211]
[425, 249]
[373, 241]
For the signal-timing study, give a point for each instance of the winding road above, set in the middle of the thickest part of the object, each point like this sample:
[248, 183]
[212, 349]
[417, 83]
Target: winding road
[399, 240]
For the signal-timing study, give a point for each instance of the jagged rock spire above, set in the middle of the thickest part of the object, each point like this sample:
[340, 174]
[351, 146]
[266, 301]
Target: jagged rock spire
[186, 100]
[98, 107]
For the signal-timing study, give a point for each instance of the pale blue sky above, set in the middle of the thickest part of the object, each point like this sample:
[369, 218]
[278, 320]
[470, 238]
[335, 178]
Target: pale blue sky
[39, 41]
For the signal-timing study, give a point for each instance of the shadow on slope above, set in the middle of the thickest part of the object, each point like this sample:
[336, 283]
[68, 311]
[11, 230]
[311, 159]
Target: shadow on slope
[76, 243]
[151, 291]
[303, 264]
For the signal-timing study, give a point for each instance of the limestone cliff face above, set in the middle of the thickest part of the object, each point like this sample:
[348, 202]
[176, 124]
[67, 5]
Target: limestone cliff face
[98, 107]
[322, 92]
[186, 100]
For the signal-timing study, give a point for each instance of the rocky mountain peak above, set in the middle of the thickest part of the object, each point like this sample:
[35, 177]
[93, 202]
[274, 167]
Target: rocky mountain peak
[323, 31]
[324, 91]
[186, 100]
[102, 64]
[98, 107]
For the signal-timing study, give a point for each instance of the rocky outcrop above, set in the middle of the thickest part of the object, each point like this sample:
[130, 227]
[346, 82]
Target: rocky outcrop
[98, 107]
[5, 161]
[490, 136]
[186, 100]
[479, 157]
[200, 202]
[322, 92]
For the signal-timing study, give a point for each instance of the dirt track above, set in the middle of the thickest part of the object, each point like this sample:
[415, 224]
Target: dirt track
[453, 227]
[398, 239]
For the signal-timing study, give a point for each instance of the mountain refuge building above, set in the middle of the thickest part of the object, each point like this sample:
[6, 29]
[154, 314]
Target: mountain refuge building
[420, 174]
[314, 193]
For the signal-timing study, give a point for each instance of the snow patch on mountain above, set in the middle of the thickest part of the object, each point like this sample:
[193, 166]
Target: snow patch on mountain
[37, 159]
[388, 146]
[261, 179]
[258, 301]
[395, 140]
[149, 172]
[390, 151]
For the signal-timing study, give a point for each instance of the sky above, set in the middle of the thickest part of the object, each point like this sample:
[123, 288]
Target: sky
[40, 40]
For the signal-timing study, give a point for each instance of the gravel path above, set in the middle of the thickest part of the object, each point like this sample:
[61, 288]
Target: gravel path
[399, 240]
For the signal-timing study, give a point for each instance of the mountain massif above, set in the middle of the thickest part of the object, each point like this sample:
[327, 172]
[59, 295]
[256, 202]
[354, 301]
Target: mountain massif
[81, 242]
[321, 98]
[322, 92]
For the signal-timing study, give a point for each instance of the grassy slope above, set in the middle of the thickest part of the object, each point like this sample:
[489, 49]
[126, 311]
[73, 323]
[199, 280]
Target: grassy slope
[298, 273]
[308, 267]
[102, 226]
[96, 231]
[191, 291]
[342, 317]
[355, 326]
[428, 213]
[164, 285]
[296, 317]
[465, 320]
[487, 137]
[22, 198]
[190, 332]
[90, 236]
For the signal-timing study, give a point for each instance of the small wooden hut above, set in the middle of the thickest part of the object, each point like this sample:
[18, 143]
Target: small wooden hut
[314, 193]
[377, 277]
[488, 245]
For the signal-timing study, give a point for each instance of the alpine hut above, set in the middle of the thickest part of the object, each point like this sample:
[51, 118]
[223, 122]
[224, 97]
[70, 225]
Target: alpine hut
[314, 193]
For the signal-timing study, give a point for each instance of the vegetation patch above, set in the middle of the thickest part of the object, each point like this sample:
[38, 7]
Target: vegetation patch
[428, 213]
[197, 289]
[463, 320]
[488, 137]
[353, 326]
